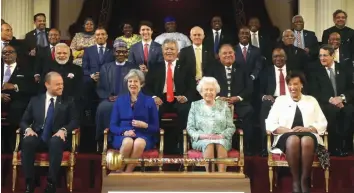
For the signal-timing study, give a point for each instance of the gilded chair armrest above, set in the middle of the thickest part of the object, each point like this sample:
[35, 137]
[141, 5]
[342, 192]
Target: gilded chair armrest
[185, 143]
[18, 138]
[240, 133]
[162, 142]
[326, 140]
[269, 145]
[75, 139]
[105, 139]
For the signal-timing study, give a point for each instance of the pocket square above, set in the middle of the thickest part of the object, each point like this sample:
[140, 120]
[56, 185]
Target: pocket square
[71, 75]
[20, 75]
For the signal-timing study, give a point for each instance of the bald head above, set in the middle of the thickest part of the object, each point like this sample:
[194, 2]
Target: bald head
[197, 35]
[6, 32]
[54, 83]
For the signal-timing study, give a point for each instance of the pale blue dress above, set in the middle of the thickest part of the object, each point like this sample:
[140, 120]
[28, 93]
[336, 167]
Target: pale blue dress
[217, 119]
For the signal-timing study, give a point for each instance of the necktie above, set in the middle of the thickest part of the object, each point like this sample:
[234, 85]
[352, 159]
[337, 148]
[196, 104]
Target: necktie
[7, 74]
[48, 123]
[298, 40]
[146, 53]
[170, 95]
[255, 40]
[228, 77]
[281, 82]
[244, 53]
[198, 59]
[100, 54]
[41, 39]
[216, 43]
[53, 53]
[332, 77]
[5, 44]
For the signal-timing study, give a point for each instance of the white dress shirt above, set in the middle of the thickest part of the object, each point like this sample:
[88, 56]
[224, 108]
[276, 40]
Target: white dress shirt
[283, 112]
[255, 34]
[47, 102]
[242, 46]
[149, 44]
[336, 55]
[98, 47]
[120, 64]
[277, 81]
[173, 74]
[214, 34]
[12, 68]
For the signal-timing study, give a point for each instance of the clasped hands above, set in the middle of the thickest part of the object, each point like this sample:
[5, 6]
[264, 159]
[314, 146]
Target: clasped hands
[180, 99]
[59, 133]
[95, 76]
[230, 100]
[211, 136]
[337, 101]
[136, 124]
[297, 129]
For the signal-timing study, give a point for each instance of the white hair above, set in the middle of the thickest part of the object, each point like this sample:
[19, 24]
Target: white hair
[208, 80]
[167, 41]
[288, 30]
[296, 16]
[135, 73]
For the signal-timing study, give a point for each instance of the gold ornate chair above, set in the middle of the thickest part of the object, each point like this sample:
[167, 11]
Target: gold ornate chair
[153, 153]
[42, 159]
[276, 160]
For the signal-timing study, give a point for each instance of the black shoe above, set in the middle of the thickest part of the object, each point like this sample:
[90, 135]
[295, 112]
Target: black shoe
[339, 153]
[50, 188]
[29, 188]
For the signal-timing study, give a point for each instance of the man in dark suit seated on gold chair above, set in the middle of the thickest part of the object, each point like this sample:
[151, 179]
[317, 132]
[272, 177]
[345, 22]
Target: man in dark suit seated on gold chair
[45, 124]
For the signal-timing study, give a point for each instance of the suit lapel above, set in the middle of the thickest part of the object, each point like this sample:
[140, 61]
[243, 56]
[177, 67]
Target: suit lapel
[141, 51]
[151, 51]
[326, 78]
[14, 74]
[272, 80]
[239, 53]
[2, 71]
[305, 34]
[106, 52]
[41, 106]
[57, 106]
[95, 52]
[249, 52]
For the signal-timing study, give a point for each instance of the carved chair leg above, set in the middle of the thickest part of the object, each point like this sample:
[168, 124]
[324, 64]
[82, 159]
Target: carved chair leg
[185, 168]
[14, 177]
[104, 171]
[71, 178]
[270, 179]
[327, 178]
[160, 168]
[275, 177]
[68, 178]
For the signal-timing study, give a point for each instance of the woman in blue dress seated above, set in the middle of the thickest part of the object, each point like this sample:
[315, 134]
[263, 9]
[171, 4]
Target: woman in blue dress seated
[134, 120]
[297, 122]
[210, 123]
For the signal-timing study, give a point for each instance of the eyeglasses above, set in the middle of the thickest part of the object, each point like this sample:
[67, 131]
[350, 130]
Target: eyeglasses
[8, 52]
[122, 51]
[323, 55]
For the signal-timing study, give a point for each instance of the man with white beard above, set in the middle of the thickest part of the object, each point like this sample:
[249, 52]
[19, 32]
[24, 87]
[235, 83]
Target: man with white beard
[72, 74]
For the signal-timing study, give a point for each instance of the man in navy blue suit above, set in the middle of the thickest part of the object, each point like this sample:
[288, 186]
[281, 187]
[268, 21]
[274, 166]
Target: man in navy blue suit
[94, 57]
[46, 122]
[146, 52]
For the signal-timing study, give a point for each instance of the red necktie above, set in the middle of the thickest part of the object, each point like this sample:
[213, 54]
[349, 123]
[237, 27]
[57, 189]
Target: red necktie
[53, 53]
[282, 82]
[170, 95]
[244, 53]
[146, 53]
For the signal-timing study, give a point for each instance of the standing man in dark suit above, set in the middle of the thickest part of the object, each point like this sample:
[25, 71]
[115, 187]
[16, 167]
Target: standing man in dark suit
[172, 86]
[37, 37]
[297, 59]
[46, 55]
[196, 57]
[7, 37]
[217, 36]
[305, 39]
[146, 52]
[332, 86]
[236, 87]
[16, 91]
[341, 55]
[94, 57]
[346, 33]
[272, 85]
[261, 40]
[46, 124]
[247, 56]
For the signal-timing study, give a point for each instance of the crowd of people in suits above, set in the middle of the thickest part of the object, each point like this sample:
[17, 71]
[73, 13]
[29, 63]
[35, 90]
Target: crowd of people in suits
[295, 88]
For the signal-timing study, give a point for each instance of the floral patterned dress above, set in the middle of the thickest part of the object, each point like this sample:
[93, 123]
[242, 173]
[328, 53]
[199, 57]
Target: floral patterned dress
[81, 40]
[130, 41]
[216, 119]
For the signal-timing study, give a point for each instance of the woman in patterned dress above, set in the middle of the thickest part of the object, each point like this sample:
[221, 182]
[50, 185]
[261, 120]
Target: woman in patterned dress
[82, 40]
[210, 123]
[128, 36]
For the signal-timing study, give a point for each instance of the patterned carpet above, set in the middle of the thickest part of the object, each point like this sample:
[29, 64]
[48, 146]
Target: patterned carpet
[87, 177]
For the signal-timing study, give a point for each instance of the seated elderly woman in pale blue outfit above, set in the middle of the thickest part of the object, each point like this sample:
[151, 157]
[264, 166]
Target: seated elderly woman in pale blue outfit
[297, 122]
[111, 85]
[210, 123]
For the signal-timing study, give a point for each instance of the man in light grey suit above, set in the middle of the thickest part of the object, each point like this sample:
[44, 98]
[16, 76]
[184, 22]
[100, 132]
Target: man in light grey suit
[146, 52]
[111, 85]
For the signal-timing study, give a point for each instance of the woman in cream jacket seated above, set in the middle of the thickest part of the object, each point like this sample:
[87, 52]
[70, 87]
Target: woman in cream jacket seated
[210, 123]
[297, 122]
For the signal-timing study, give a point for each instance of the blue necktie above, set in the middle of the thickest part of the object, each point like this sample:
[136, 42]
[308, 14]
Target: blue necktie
[216, 43]
[100, 54]
[48, 123]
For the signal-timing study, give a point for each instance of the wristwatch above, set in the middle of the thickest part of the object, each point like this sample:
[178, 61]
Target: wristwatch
[342, 96]
[65, 131]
